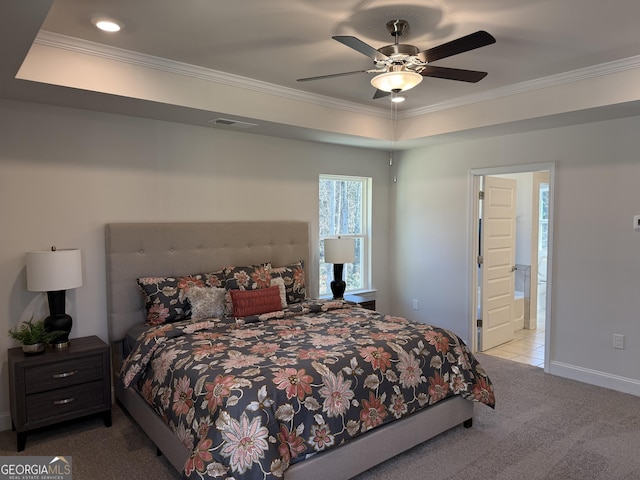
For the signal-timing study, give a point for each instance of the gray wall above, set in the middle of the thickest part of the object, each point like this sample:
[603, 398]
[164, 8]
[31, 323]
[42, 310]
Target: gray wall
[596, 270]
[64, 173]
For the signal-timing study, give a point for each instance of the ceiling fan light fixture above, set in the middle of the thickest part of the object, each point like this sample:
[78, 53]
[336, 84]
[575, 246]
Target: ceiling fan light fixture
[396, 81]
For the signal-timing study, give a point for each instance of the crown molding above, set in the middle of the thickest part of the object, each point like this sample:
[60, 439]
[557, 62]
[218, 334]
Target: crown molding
[86, 47]
[594, 71]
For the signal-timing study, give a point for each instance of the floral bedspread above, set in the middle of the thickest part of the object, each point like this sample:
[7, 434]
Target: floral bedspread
[249, 397]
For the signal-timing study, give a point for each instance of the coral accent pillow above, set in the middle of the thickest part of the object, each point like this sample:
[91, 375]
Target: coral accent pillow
[255, 302]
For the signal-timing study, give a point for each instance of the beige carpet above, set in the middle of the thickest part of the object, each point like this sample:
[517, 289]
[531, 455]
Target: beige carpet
[543, 427]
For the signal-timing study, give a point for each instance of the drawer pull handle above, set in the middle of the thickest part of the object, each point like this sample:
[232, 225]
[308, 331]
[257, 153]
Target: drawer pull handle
[63, 401]
[65, 374]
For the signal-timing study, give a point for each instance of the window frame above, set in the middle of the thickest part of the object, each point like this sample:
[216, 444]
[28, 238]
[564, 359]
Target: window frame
[543, 217]
[364, 236]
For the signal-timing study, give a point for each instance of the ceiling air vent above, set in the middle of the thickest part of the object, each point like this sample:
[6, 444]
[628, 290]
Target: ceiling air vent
[225, 122]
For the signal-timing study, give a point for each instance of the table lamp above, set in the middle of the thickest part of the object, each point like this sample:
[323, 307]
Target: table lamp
[55, 271]
[339, 251]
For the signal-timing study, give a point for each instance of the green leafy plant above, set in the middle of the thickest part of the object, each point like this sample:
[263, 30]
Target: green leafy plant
[30, 333]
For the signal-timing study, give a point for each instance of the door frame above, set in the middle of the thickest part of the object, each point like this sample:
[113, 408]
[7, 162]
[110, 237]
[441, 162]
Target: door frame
[473, 225]
[538, 179]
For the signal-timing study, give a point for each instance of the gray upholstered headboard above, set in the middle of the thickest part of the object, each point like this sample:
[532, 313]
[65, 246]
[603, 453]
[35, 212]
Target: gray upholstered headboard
[137, 250]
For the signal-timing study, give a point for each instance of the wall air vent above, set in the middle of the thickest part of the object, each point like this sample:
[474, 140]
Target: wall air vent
[225, 122]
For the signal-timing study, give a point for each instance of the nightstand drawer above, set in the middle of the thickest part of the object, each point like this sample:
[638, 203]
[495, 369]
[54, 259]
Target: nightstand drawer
[57, 403]
[63, 373]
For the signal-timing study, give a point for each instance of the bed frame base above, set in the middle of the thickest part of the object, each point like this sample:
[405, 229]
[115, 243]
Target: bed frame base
[382, 444]
[164, 439]
[341, 463]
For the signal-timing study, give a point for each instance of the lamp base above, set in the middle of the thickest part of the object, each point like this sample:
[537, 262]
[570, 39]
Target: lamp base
[60, 322]
[338, 286]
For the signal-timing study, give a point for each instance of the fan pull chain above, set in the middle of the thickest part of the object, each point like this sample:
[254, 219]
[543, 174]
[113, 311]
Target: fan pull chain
[394, 125]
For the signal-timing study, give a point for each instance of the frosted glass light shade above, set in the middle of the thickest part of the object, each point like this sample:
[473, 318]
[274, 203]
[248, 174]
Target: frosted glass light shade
[53, 270]
[339, 250]
[396, 81]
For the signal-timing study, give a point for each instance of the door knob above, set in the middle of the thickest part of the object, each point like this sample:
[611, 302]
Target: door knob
[514, 268]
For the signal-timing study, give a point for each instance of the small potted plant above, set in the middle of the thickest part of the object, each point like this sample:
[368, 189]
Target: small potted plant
[33, 336]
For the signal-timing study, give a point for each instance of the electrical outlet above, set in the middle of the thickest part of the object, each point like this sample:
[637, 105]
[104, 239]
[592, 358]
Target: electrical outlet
[618, 341]
[415, 304]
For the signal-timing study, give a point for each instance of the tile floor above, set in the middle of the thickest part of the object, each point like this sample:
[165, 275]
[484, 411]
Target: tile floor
[526, 347]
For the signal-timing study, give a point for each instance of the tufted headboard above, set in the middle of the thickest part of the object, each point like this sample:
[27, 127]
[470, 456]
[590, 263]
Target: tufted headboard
[137, 250]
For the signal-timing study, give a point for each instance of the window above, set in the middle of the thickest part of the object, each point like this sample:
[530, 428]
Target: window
[344, 211]
[543, 218]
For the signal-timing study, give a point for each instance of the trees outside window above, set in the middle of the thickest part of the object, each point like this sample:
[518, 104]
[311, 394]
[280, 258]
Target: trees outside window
[344, 209]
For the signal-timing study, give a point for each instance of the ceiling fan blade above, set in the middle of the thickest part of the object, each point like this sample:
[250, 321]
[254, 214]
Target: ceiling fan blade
[460, 45]
[380, 94]
[471, 76]
[331, 75]
[360, 46]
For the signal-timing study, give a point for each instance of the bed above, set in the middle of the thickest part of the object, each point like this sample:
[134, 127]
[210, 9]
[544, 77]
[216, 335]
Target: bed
[260, 400]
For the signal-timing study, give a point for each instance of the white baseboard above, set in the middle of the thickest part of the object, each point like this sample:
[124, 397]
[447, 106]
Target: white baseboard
[594, 377]
[5, 421]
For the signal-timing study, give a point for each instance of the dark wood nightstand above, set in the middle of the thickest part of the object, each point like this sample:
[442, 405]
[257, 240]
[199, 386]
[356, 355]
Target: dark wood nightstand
[364, 302]
[59, 385]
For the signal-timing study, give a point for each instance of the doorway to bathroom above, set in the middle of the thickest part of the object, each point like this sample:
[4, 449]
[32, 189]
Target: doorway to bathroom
[511, 261]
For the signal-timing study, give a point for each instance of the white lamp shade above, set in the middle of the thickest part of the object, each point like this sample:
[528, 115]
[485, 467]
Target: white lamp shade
[53, 270]
[339, 250]
[396, 81]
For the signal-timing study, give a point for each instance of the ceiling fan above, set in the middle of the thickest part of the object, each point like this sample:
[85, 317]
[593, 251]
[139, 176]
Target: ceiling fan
[401, 66]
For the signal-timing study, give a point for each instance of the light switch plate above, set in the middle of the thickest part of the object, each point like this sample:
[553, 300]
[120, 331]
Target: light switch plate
[636, 223]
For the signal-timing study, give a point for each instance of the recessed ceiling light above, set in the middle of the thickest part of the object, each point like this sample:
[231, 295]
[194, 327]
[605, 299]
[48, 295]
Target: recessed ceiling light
[107, 24]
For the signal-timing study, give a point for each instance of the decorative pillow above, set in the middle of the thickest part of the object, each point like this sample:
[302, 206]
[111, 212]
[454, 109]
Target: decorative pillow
[279, 281]
[206, 302]
[250, 277]
[255, 302]
[165, 297]
[215, 279]
[293, 276]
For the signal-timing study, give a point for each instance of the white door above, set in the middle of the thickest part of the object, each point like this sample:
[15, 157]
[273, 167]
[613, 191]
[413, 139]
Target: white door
[498, 266]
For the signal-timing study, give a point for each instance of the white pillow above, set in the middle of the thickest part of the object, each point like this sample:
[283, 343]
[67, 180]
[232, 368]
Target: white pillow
[279, 281]
[206, 302]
